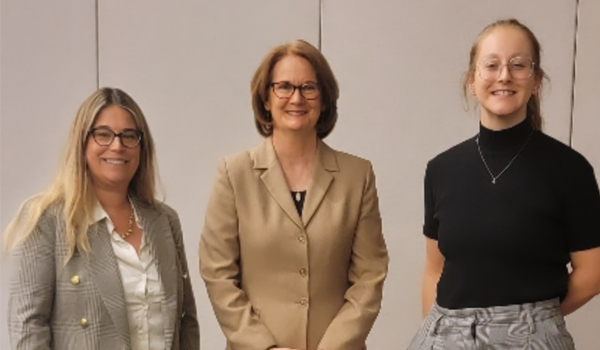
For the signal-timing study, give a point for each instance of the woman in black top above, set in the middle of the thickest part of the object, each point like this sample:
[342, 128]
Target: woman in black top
[505, 212]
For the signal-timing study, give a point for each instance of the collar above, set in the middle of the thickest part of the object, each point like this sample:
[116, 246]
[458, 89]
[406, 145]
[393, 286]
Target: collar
[99, 214]
[506, 140]
[264, 155]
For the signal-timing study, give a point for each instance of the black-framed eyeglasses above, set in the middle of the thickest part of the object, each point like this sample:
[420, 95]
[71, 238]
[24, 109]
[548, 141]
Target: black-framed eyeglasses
[284, 89]
[105, 137]
[520, 68]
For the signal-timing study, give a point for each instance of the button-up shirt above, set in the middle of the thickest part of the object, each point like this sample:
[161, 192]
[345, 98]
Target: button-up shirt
[142, 289]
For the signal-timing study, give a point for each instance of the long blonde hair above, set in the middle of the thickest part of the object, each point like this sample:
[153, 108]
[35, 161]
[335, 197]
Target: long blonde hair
[73, 188]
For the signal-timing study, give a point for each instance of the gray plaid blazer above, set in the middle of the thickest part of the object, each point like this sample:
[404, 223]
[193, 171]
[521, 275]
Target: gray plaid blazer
[81, 305]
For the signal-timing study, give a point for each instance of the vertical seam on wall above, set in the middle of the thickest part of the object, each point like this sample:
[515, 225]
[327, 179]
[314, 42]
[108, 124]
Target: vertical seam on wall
[320, 24]
[97, 48]
[574, 76]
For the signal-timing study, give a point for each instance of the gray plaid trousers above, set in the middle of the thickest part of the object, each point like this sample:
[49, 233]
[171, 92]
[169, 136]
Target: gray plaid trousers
[533, 326]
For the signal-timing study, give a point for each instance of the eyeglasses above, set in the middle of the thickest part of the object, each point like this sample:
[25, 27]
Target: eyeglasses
[105, 137]
[520, 68]
[284, 89]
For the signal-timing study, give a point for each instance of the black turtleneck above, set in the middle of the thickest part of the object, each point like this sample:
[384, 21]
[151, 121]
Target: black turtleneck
[509, 242]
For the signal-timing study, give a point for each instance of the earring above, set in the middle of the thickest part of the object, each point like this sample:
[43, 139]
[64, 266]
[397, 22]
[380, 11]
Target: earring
[269, 117]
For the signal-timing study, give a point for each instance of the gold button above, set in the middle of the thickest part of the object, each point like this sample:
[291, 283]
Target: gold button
[84, 323]
[301, 238]
[302, 272]
[75, 280]
[303, 301]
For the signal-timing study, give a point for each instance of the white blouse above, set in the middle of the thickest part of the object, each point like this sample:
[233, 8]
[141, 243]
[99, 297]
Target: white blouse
[142, 287]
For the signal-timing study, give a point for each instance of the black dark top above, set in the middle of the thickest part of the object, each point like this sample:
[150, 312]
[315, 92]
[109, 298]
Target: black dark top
[509, 242]
[298, 197]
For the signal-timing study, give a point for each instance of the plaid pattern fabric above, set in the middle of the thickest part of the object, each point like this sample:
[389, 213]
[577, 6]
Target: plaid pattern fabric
[534, 326]
[48, 310]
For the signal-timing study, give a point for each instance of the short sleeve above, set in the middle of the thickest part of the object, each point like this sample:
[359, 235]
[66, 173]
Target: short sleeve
[430, 225]
[582, 210]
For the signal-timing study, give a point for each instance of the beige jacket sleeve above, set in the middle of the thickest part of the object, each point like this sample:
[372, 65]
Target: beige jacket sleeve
[219, 267]
[368, 269]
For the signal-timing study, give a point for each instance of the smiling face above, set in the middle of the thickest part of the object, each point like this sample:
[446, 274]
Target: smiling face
[294, 114]
[503, 100]
[112, 167]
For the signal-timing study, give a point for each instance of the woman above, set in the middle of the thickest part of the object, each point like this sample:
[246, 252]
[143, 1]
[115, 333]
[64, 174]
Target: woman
[99, 262]
[292, 252]
[505, 212]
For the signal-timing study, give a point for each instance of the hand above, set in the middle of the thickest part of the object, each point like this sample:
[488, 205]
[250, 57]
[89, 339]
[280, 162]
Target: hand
[283, 349]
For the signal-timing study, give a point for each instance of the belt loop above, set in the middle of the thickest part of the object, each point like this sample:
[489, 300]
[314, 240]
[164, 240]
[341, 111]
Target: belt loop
[433, 329]
[530, 321]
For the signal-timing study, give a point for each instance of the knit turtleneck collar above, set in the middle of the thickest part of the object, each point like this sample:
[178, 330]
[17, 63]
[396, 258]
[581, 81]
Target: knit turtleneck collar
[509, 140]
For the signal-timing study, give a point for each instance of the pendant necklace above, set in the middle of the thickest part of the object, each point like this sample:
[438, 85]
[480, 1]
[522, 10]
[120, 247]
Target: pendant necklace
[494, 178]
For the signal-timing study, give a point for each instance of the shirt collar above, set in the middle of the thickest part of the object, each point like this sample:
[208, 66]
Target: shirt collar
[100, 214]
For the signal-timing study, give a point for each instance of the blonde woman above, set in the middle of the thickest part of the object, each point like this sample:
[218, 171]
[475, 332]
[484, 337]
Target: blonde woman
[99, 263]
[292, 251]
[505, 212]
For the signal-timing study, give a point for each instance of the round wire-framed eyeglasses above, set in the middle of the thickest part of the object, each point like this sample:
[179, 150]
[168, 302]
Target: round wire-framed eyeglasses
[519, 68]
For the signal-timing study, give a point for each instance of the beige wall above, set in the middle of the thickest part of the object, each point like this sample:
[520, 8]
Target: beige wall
[47, 67]
[586, 138]
[189, 64]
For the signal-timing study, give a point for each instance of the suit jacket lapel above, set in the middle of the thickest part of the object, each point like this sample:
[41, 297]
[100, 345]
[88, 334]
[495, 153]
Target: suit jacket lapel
[158, 235]
[102, 264]
[274, 179]
[325, 163]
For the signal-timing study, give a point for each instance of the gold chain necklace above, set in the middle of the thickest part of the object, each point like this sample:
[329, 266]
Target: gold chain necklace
[129, 226]
[494, 178]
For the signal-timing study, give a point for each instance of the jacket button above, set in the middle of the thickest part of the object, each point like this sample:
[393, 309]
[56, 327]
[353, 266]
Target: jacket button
[84, 323]
[75, 280]
[302, 238]
[302, 272]
[303, 301]
[185, 276]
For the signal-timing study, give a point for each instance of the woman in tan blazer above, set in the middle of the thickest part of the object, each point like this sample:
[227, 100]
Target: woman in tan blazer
[292, 252]
[99, 263]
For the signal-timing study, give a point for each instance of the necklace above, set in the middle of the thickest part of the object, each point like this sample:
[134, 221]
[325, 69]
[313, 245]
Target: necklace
[494, 178]
[129, 226]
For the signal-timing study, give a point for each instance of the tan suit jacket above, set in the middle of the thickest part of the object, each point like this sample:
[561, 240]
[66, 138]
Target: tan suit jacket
[47, 304]
[275, 278]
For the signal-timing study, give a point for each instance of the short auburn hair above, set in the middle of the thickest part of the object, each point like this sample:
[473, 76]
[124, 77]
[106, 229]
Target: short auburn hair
[261, 83]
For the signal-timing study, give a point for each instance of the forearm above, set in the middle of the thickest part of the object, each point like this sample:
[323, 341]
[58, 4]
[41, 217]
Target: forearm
[428, 291]
[190, 330]
[434, 265]
[583, 286]
[241, 326]
[351, 326]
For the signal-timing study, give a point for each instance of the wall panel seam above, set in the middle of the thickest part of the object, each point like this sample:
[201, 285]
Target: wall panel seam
[320, 25]
[97, 45]
[574, 73]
